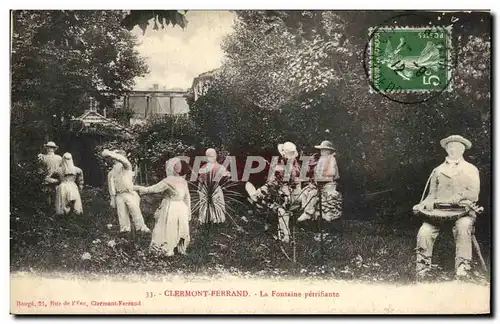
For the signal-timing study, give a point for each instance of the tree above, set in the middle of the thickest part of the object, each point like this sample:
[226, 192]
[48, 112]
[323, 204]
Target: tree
[308, 67]
[60, 59]
[142, 18]
[257, 55]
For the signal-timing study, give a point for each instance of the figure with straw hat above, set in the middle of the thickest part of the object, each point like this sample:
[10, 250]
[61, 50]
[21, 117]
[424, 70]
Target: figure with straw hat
[280, 194]
[326, 173]
[271, 201]
[455, 183]
[51, 162]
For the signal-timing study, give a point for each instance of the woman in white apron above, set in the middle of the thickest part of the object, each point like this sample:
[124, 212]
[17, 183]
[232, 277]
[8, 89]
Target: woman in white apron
[172, 218]
[70, 179]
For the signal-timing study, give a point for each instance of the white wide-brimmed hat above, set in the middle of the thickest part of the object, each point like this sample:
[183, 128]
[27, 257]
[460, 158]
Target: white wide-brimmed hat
[51, 144]
[325, 145]
[288, 150]
[456, 138]
[121, 152]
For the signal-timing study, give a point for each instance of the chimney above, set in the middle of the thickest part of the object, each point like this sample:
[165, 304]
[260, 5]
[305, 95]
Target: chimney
[93, 104]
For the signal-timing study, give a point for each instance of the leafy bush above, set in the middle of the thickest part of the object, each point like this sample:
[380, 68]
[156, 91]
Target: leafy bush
[294, 76]
[122, 115]
[26, 184]
[28, 214]
[159, 140]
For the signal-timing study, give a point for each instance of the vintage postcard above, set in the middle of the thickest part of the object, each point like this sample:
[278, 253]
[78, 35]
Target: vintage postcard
[250, 162]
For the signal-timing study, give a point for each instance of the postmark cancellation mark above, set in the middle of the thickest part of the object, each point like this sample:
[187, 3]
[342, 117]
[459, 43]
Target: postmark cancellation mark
[410, 59]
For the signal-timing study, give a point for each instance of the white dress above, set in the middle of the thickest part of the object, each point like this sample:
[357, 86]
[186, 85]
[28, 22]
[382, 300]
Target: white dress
[67, 192]
[172, 217]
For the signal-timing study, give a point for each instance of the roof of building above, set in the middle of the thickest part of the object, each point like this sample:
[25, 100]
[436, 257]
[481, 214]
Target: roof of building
[91, 119]
[173, 93]
[208, 74]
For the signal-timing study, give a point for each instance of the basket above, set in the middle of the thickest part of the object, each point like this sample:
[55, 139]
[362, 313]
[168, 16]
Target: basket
[441, 212]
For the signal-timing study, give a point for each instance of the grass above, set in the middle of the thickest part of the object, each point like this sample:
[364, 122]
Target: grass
[358, 250]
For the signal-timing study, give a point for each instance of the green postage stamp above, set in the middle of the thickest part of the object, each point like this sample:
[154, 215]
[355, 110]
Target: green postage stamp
[410, 59]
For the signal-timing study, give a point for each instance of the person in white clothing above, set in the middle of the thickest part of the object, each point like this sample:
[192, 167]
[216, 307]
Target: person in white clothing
[455, 182]
[172, 218]
[326, 175]
[51, 162]
[123, 196]
[70, 182]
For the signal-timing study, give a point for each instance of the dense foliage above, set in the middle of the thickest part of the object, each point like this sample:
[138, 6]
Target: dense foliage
[164, 18]
[299, 76]
[288, 76]
[157, 141]
[59, 59]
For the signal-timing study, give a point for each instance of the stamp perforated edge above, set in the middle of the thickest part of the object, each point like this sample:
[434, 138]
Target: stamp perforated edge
[449, 71]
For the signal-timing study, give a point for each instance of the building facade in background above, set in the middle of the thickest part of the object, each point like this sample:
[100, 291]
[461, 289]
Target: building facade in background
[147, 104]
[202, 83]
[156, 102]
